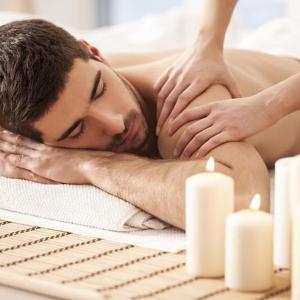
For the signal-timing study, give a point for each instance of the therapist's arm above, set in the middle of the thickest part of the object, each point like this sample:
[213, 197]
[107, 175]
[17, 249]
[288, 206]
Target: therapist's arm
[214, 20]
[200, 66]
[284, 97]
[238, 118]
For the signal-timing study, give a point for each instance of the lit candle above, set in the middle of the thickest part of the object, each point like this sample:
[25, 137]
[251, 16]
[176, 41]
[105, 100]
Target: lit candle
[282, 213]
[296, 253]
[209, 200]
[249, 249]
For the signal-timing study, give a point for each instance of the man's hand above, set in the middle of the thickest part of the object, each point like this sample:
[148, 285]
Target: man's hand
[48, 164]
[9, 170]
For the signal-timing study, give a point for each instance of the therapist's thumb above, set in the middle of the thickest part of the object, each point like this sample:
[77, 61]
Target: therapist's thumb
[233, 88]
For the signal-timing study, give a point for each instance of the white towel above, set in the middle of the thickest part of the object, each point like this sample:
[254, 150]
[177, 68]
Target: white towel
[86, 210]
[75, 204]
[169, 239]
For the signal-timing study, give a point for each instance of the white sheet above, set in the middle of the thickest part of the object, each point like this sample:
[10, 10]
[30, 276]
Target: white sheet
[280, 36]
[169, 239]
[175, 28]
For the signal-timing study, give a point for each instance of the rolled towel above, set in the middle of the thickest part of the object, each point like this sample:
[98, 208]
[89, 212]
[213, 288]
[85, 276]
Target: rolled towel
[76, 204]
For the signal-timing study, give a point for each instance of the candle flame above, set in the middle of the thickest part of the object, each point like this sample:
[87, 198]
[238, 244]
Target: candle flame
[210, 166]
[255, 203]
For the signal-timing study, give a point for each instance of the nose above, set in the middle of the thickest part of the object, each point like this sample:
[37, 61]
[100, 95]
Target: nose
[111, 123]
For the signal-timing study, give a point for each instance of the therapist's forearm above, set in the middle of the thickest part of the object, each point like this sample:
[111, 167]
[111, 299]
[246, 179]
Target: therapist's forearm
[216, 15]
[155, 186]
[283, 98]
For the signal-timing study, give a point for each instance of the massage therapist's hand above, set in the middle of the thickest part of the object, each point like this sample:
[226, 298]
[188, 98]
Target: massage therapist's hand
[194, 71]
[49, 164]
[220, 122]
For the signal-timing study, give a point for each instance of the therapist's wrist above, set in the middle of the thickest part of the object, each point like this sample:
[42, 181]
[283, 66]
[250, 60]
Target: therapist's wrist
[208, 38]
[207, 49]
[272, 98]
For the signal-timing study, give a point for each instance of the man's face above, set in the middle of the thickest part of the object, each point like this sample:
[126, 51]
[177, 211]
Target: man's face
[105, 108]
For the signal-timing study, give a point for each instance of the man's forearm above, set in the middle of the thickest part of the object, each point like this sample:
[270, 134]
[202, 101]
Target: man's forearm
[156, 186]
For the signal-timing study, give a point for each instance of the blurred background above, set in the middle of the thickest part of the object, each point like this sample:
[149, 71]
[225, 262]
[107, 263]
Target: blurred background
[144, 25]
[87, 14]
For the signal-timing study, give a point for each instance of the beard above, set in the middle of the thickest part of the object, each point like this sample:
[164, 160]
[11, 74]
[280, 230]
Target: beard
[143, 134]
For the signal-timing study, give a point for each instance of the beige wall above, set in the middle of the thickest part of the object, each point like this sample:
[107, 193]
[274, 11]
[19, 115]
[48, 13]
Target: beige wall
[16, 5]
[79, 14]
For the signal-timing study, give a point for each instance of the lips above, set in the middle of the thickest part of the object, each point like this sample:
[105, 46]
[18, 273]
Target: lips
[130, 133]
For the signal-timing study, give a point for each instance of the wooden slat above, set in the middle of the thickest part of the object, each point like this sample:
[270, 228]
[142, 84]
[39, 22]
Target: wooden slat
[71, 266]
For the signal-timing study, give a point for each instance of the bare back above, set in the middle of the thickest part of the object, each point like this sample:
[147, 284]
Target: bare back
[253, 71]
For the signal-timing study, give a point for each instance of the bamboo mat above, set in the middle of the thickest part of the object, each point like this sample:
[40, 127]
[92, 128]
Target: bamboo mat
[70, 266]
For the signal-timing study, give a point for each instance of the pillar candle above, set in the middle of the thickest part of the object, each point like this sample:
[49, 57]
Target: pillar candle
[296, 252]
[249, 249]
[209, 200]
[287, 191]
[282, 213]
[295, 180]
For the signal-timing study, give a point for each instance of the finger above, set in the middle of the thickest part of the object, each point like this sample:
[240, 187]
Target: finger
[189, 134]
[169, 104]
[233, 89]
[188, 115]
[11, 171]
[20, 160]
[21, 140]
[14, 148]
[160, 99]
[161, 81]
[198, 140]
[194, 90]
[19, 173]
[165, 91]
[2, 155]
[212, 143]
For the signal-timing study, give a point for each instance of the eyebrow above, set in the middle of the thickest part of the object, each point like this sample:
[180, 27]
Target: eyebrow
[67, 132]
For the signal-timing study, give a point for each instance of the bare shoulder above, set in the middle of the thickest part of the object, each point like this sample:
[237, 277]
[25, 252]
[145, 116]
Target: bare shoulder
[238, 159]
[167, 143]
[126, 59]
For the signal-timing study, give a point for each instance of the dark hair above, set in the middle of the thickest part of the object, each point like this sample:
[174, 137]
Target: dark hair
[35, 59]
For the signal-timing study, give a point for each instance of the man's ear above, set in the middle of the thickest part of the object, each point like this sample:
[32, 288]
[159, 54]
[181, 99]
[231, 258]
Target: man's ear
[92, 50]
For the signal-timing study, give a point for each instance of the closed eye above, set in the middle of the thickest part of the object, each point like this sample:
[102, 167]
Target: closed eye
[103, 90]
[77, 135]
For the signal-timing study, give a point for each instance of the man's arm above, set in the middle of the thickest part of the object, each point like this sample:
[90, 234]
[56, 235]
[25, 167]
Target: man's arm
[158, 186]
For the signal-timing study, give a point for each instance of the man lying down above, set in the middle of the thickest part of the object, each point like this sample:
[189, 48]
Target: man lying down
[80, 118]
